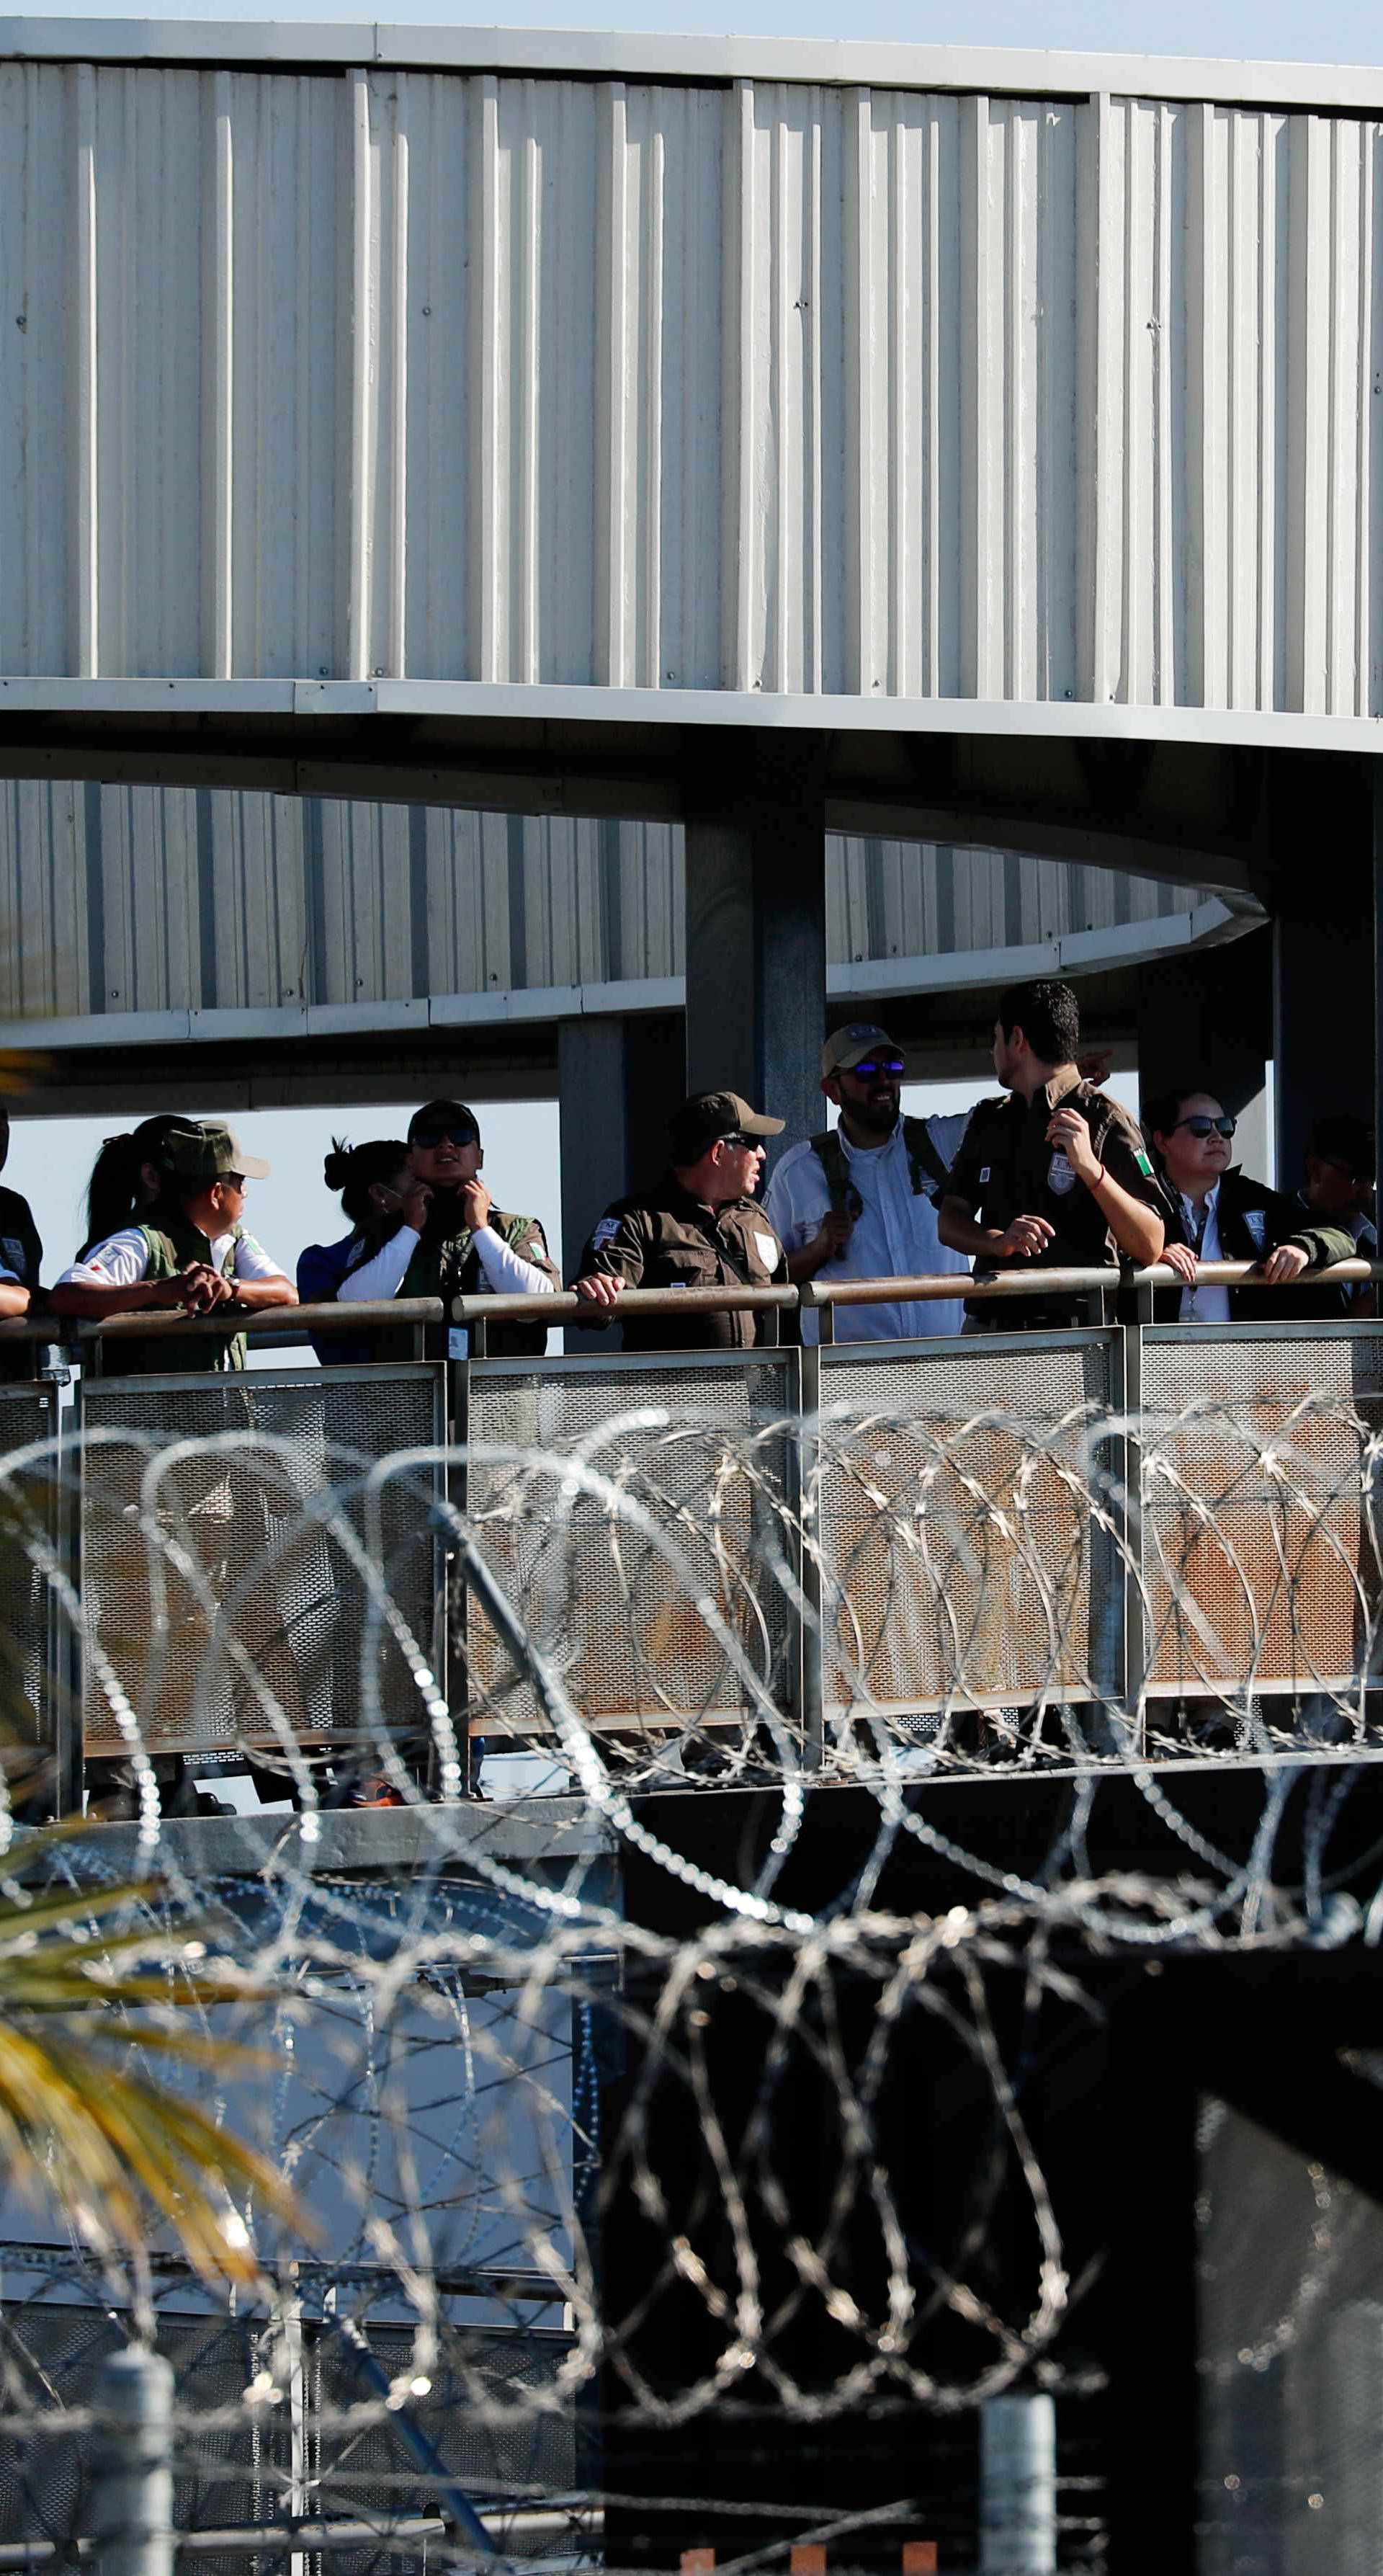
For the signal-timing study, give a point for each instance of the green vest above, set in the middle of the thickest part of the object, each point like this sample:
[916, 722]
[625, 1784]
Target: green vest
[170, 1248]
[448, 1266]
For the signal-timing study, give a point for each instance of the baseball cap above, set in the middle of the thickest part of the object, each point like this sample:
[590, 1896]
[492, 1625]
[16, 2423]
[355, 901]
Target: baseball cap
[205, 1151]
[693, 1128]
[443, 1113]
[845, 1048]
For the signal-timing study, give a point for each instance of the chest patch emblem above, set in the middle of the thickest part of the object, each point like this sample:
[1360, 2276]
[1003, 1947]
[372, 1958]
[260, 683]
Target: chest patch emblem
[767, 1250]
[1060, 1177]
[1256, 1219]
[984, 1175]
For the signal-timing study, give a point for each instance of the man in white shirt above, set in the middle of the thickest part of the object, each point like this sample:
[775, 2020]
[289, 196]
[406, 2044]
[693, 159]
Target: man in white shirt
[856, 1202]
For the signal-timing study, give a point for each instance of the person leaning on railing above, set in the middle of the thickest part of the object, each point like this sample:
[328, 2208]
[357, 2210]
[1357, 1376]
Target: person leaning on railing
[378, 1192]
[1055, 1175]
[1216, 1213]
[450, 1239]
[192, 1252]
[700, 1226]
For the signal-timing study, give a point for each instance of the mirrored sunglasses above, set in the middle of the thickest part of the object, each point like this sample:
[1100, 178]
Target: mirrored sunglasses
[890, 1064]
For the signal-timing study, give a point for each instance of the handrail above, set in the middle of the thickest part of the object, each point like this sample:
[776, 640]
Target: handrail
[1035, 1282]
[302, 1322]
[517, 1308]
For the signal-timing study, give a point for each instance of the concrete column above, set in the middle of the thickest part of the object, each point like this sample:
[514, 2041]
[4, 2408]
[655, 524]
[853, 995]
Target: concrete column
[756, 930]
[1320, 841]
[1208, 1017]
[618, 1080]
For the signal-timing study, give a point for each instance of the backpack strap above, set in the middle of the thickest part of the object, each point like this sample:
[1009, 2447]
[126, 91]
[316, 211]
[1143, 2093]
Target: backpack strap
[923, 1157]
[830, 1154]
[924, 1162]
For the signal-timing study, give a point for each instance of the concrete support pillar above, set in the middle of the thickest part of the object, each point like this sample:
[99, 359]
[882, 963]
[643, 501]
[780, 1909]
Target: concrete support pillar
[618, 1080]
[756, 930]
[1320, 839]
[1208, 1017]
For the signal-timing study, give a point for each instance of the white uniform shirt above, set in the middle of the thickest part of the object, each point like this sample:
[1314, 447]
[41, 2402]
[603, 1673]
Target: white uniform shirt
[1203, 1304]
[894, 1235]
[123, 1260]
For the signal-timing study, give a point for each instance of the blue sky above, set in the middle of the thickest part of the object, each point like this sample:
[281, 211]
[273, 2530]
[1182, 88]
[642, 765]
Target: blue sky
[1342, 31]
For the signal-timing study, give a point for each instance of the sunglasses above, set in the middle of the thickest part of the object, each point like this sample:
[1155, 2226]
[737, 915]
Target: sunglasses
[890, 1064]
[427, 1137]
[1207, 1126]
[735, 1138]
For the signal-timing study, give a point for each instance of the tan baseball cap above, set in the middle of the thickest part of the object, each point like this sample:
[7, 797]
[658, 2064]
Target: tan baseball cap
[695, 1126]
[845, 1048]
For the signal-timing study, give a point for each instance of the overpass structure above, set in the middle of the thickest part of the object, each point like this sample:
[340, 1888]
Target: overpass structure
[688, 450]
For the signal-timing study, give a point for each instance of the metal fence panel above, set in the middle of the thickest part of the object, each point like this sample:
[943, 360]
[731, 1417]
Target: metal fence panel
[224, 1606]
[705, 1444]
[1259, 1506]
[960, 1563]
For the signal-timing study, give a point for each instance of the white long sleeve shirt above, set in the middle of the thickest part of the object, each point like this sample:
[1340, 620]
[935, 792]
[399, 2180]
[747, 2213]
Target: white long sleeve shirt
[1204, 1304]
[506, 1271]
[123, 1260]
[894, 1234]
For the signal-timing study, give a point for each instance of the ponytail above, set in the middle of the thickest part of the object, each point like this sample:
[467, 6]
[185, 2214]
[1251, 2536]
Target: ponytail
[115, 1193]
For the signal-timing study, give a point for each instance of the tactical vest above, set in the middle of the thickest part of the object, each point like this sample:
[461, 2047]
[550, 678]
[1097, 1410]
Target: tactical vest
[170, 1248]
[924, 1162]
[448, 1266]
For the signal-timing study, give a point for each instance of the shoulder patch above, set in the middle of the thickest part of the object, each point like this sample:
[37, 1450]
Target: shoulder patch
[605, 1232]
[1144, 1166]
[766, 1246]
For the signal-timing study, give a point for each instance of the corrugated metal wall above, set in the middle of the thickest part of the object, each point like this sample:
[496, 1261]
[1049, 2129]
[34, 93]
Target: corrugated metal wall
[751, 385]
[133, 899]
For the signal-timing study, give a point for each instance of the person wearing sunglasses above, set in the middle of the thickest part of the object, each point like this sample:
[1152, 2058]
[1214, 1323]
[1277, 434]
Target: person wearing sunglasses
[857, 1201]
[1216, 1213]
[450, 1239]
[1055, 1175]
[700, 1226]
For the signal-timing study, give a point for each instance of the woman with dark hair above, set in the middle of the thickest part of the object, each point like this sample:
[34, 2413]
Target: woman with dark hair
[1215, 1212]
[126, 1177]
[379, 1191]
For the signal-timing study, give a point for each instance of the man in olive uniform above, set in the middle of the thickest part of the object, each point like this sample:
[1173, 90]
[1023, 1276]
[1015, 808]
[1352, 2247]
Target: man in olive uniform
[453, 1241]
[701, 1227]
[1055, 1175]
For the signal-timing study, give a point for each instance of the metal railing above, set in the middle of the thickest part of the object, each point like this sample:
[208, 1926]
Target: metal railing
[1000, 1539]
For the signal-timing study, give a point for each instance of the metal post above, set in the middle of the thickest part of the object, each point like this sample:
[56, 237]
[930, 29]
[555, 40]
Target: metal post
[132, 2470]
[1018, 2487]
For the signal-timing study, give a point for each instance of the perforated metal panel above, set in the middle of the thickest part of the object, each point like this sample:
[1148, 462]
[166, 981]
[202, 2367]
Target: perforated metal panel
[704, 1447]
[213, 1583]
[28, 1528]
[1260, 1537]
[1290, 2365]
[960, 1561]
[238, 2470]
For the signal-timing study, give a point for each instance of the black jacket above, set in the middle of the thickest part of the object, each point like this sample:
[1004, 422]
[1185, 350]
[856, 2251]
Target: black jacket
[1253, 1220]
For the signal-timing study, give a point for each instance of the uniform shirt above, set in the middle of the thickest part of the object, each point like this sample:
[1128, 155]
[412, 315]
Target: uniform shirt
[1005, 1168]
[123, 1260]
[21, 1259]
[1250, 1221]
[1202, 1304]
[894, 1235]
[665, 1238]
